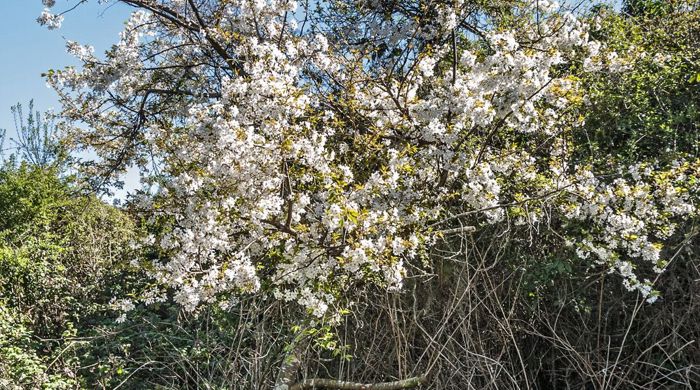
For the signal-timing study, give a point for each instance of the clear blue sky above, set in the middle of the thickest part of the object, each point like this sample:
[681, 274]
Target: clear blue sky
[27, 50]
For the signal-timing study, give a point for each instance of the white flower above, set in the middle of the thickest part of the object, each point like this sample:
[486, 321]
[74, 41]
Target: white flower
[50, 20]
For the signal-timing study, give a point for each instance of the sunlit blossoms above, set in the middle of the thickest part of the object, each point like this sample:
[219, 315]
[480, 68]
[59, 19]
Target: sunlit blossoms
[286, 159]
[50, 20]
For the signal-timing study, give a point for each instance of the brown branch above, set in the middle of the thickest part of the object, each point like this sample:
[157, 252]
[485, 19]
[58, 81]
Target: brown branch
[280, 227]
[183, 22]
[454, 57]
[342, 385]
[217, 47]
[177, 92]
[289, 368]
[463, 229]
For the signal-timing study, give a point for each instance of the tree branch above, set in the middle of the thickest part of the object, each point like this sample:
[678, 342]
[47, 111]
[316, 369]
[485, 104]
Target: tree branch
[342, 385]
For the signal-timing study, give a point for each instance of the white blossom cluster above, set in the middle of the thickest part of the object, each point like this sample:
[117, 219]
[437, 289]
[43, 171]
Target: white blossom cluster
[287, 164]
[50, 20]
[628, 216]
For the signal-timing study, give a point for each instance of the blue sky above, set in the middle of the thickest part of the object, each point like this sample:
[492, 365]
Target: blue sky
[27, 50]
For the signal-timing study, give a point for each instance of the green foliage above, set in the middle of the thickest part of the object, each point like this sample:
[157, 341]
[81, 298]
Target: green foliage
[652, 109]
[647, 7]
[63, 258]
[59, 255]
[20, 365]
[156, 348]
[57, 247]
